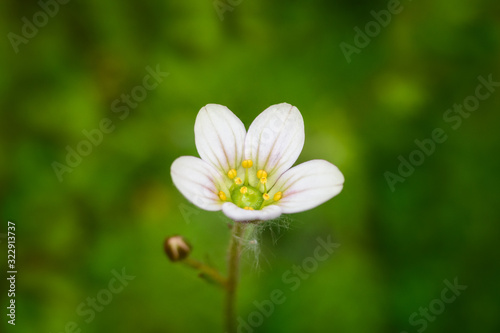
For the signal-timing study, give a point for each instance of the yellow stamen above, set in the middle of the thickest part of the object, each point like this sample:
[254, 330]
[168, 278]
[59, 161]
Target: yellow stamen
[238, 180]
[263, 180]
[247, 164]
[231, 173]
[261, 173]
[265, 196]
[248, 208]
[222, 196]
[244, 190]
[277, 196]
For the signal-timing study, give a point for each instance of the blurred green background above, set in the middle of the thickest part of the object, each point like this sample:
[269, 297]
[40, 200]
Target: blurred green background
[118, 204]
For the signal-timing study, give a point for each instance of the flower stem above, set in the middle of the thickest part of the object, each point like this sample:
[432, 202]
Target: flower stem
[206, 272]
[234, 253]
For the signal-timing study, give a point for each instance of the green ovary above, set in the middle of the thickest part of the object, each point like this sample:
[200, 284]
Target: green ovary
[252, 198]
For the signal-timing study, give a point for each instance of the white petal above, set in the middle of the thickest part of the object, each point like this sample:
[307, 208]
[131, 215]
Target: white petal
[242, 215]
[198, 181]
[308, 185]
[275, 140]
[219, 137]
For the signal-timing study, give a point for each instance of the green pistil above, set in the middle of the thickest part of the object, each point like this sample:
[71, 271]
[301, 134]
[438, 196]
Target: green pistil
[252, 198]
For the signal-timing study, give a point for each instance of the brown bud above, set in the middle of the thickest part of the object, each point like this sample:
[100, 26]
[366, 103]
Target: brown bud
[177, 248]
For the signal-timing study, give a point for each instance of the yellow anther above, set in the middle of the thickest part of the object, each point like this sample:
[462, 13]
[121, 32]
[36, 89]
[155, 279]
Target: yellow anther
[222, 196]
[261, 173]
[247, 164]
[263, 180]
[277, 196]
[244, 190]
[238, 180]
[248, 208]
[231, 173]
[265, 196]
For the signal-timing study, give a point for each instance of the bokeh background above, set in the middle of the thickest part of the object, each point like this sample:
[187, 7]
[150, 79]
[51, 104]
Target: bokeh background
[118, 204]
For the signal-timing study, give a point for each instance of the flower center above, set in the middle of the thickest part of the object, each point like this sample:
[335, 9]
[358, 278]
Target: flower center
[246, 196]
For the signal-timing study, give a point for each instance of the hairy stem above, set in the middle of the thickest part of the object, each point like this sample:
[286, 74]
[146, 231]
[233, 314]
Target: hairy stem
[234, 252]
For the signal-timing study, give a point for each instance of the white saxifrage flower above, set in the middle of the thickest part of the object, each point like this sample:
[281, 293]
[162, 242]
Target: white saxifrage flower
[249, 175]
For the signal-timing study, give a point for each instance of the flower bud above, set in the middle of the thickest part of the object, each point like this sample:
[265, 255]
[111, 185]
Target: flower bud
[177, 248]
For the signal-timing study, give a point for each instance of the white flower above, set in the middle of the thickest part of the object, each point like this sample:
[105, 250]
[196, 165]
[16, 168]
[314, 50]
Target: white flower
[248, 175]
